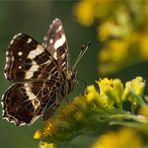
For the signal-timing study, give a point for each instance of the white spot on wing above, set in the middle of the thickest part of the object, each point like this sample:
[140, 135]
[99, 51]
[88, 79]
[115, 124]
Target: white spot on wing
[34, 119]
[32, 54]
[59, 29]
[53, 22]
[17, 35]
[11, 42]
[45, 45]
[51, 26]
[63, 64]
[20, 53]
[62, 56]
[55, 55]
[60, 42]
[7, 59]
[29, 40]
[32, 96]
[7, 53]
[2, 104]
[12, 121]
[28, 75]
[45, 38]
[51, 41]
[30, 72]
[12, 58]
[6, 118]
[35, 103]
[53, 69]
[5, 74]
[22, 124]
[14, 37]
[3, 113]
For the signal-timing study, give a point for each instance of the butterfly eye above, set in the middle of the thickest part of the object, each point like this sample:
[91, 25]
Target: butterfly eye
[73, 76]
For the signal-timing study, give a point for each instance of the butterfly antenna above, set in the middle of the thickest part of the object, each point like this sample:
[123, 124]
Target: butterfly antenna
[83, 81]
[82, 52]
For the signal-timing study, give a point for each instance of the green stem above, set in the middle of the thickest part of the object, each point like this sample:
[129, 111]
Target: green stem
[120, 106]
[140, 119]
[139, 99]
[143, 127]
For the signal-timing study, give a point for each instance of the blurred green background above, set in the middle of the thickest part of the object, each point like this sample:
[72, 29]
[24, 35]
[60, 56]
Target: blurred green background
[33, 18]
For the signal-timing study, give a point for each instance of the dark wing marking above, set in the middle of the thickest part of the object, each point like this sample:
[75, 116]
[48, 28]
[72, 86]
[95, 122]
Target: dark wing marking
[55, 43]
[24, 102]
[26, 59]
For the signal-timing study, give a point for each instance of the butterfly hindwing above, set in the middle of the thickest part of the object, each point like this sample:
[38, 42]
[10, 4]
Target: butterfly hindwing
[26, 59]
[55, 43]
[24, 102]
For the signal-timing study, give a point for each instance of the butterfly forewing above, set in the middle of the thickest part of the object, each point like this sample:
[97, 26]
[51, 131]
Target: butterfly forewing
[26, 59]
[55, 43]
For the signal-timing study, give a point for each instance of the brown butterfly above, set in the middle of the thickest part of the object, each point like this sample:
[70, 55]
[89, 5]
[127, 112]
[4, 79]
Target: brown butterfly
[41, 74]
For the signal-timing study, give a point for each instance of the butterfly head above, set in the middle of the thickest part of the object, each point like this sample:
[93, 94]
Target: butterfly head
[72, 75]
[72, 80]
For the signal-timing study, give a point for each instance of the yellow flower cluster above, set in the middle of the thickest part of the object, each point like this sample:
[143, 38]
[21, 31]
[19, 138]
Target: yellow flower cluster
[124, 138]
[87, 18]
[144, 111]
[123, 29]
[118, 53]
[94, 108]
[47, 145]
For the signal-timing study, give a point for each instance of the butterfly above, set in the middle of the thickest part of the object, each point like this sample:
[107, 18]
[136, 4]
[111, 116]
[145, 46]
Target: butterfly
[41, 75]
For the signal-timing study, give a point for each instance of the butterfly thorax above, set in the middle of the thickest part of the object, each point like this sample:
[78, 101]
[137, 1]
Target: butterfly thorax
[70, 81]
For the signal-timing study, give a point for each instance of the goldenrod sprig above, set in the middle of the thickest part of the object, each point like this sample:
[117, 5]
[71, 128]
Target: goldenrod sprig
[123, 138]
[93, 109]
[122, 28]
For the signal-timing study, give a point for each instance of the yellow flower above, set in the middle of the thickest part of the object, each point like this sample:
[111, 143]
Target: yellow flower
[105, 30]
[112, 90]
[47, 145]
[38, 134]
[143, 41]
[132, 88]
[49, 127]
[99, 97]
[144, 111]
[111, 29]
[91, 93]
[124, 138]
[104, 55]
[84, 11]
[104, 84]
[118, 48]
[113, 55]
